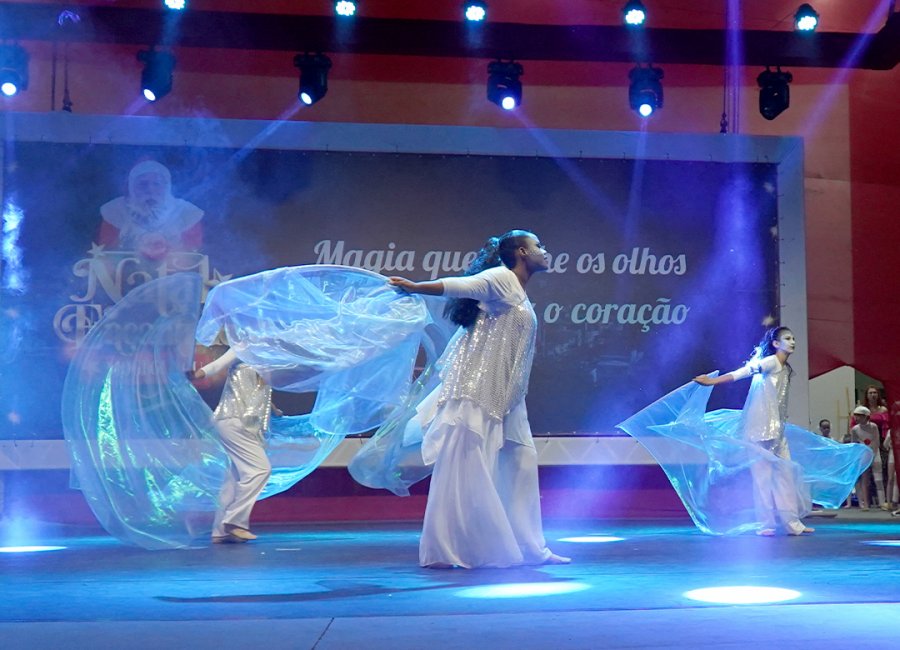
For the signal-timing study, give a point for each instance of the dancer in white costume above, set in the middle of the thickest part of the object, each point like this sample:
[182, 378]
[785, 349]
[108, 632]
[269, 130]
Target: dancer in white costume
[242, 419]
[776, 493]
[484, 505]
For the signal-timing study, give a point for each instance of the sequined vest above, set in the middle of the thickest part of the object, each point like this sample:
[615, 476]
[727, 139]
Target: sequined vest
[247, 398]
[491, 363]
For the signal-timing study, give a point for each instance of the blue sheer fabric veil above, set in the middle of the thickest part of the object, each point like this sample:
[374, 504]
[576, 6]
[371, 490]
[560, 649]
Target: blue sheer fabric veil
[711, 466]
[143, 445]
[392, 458]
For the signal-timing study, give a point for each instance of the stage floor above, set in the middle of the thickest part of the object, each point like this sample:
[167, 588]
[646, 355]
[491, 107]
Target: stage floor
[358, 586]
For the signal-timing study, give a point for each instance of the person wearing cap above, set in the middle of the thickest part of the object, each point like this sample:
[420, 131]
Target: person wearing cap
[866, 432]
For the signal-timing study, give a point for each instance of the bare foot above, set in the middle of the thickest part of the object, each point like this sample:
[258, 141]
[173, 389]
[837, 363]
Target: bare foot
[806, 531]
[553, 558]
[766, 532]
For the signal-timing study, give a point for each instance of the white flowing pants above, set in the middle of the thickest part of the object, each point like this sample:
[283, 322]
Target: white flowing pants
[483, 505]
[250, 469]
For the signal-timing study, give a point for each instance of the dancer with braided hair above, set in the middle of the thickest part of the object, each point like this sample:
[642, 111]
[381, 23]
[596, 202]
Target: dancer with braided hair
[484, 505]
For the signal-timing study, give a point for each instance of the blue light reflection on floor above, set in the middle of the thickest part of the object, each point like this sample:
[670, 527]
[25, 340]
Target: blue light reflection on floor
[591, 539]
[523, 590]
[742, 595]
[29, 549]
[882, 542]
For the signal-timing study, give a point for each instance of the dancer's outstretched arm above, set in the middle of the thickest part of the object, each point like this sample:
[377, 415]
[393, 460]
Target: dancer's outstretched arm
[769, 364]
[216, 366]
[433, 288]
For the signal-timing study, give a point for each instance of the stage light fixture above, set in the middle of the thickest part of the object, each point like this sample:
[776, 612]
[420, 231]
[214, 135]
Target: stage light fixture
[806, 19]
[475, 12]
[175, 5]
[345, 8]
[634, 14]
[313, 77]
[13, 70]
[156, 78]
[774, 92]
[645, 92]
[503, 87]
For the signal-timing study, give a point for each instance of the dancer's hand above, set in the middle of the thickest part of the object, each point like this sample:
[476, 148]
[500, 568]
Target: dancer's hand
[195, 375]
[404, 285]
[433, 288]
[704, 380]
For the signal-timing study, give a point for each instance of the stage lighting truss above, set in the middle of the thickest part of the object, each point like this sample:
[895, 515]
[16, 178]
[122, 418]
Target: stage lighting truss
[13, 70]
[503, 87]
[634, 14]
[645, 92]
[156, 78]
[313, 77]
[806, 19]
[774, 92]
[475, 12]
[345, 8]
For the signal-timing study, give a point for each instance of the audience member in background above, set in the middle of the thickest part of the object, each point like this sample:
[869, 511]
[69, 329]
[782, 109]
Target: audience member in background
[825, 428]
[879, 416]
[866, 432]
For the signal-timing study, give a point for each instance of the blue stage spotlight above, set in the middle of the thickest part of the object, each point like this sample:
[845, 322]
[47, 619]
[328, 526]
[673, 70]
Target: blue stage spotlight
[503, 87]
[175, 5]
[645, 92]
[806, 19]
[156, 78]
[345, 8]
[313, 77]
[29, 549]
[591, 539]
[475, 12]
[13, 70]
[634, 14]
[774, 92]
[742, 595]
[523, 590]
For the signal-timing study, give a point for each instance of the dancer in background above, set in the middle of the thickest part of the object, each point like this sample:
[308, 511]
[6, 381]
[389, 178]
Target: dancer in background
[778, 497]
[242, 419]
[484, 504]
[737, 471]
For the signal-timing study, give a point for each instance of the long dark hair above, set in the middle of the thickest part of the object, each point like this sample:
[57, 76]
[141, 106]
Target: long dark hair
[496, 251]
[766, 346]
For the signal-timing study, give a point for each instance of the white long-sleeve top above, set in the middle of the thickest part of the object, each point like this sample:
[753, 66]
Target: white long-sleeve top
[765, 411]
[490, 362]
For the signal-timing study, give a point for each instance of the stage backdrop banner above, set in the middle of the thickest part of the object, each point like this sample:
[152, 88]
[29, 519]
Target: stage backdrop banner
[661, 269]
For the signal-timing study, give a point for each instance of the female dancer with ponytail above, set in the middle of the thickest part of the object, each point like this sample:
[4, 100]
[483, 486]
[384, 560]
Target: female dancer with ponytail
[778, 497]
[748, 469]
[483, 505]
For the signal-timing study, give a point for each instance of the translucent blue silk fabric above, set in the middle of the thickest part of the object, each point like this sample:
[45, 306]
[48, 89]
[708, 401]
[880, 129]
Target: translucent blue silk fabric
[392, 458]
[340, 331]
[710, 464]
[142, 443]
